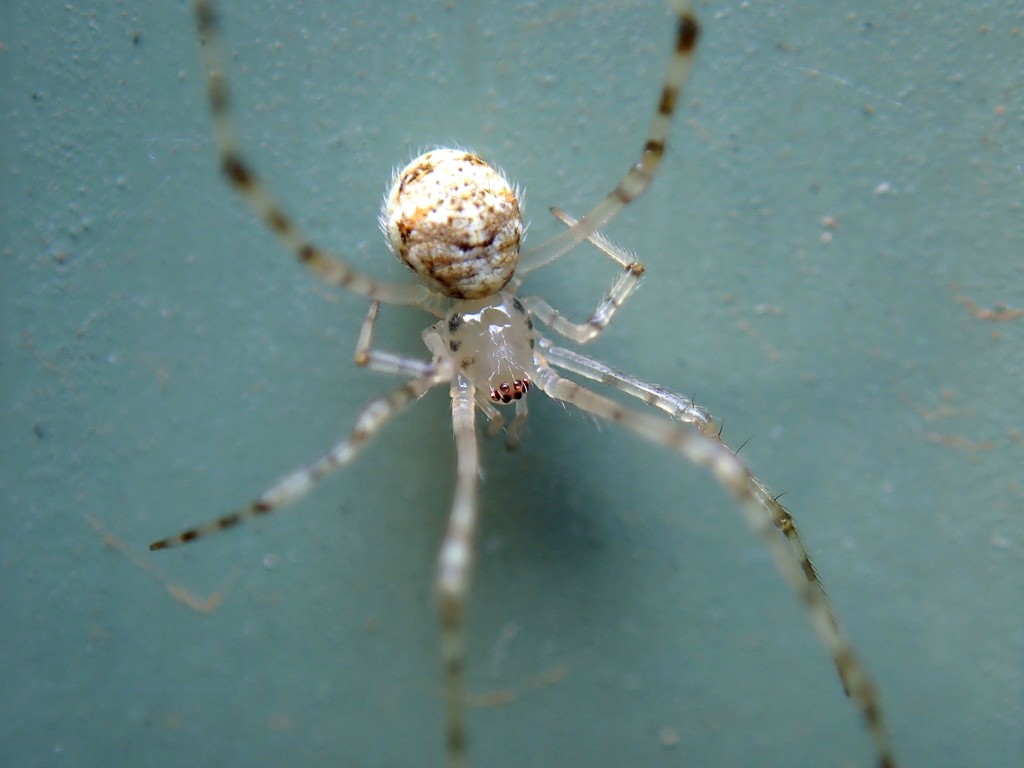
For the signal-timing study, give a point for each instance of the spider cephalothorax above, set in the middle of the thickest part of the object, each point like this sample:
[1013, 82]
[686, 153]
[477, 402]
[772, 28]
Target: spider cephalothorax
[492, 343]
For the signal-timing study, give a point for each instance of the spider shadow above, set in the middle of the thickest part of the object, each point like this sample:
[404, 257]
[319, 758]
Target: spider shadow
[570, 530]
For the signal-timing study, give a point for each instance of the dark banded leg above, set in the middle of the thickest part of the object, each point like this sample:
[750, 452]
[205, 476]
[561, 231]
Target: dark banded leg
[683, 409]
[243, 179]
[730, 472]
[373, 417]
[454, 570]
[639, 176]
[623, 287]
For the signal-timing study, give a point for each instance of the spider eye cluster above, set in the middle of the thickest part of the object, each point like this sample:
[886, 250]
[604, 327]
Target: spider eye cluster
[455, 221]
[505, 393]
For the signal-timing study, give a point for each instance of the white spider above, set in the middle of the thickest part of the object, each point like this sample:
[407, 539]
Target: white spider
[455, 221]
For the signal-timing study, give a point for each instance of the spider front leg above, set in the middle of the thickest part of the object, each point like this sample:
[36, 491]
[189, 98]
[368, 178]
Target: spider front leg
[384, 362]
[639, 176]
[678, 407]
[243, 179]
[454, 569]
[495, 420]
[683, 409]
[294, 486]
[764, 519]
[623, 287]
[515, 429]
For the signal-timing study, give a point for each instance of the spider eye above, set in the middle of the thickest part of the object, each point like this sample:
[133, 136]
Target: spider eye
[455, 221]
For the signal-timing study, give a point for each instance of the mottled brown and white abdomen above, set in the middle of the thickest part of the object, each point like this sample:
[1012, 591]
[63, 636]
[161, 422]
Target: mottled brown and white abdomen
[455, 221]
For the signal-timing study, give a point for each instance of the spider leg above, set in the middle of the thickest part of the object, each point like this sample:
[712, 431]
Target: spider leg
[254, 192]
[678, 407]
[495, 421]
[623, 287]
[294, 486]
[454, 569]
[385, 362]
[683, 409]
[639, 176]
[515, 428]
[732, 474]
[616, 253]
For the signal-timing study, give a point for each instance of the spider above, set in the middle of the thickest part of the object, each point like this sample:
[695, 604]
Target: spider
[455, 221]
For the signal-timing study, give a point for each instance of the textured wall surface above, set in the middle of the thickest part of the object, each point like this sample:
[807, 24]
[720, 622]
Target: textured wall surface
[835, 249]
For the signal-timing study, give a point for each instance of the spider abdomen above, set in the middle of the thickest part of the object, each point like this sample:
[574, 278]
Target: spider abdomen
[455, 221]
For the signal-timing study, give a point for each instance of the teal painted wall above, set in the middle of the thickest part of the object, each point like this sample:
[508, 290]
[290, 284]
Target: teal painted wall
[161, 361]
